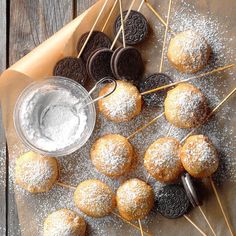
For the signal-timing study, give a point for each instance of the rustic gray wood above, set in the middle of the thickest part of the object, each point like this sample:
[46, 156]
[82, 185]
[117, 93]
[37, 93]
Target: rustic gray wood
[32, 22]
[82, 5]
[3, 61]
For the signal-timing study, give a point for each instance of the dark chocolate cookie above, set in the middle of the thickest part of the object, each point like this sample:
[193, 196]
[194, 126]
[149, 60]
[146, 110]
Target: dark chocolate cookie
[72, 68]
[97, 40]
[172, 201]
[99, 65]
[136, 27]
[190, 189]
[129, 64]
[151, 82]
[113, 59]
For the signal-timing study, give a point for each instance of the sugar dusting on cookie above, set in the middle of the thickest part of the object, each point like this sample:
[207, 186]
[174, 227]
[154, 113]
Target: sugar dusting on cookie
[78, 167]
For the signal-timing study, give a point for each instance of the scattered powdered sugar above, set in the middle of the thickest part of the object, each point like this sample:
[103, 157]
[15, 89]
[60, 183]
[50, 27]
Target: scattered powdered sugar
[77, 167]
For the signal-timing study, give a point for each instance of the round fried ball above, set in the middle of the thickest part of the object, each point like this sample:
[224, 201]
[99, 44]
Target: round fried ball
[36, 173]
[112, 155]
[162, 159]
[185, 106]
[135, 199]
[189, 51]
[199, 156]
[123, 104]
[94, 198]
[64, 222]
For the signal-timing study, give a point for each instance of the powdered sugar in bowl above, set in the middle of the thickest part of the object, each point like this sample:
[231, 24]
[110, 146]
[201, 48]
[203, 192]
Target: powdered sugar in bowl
[44, 120]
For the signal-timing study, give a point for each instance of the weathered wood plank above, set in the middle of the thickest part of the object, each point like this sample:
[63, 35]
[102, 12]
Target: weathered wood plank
[32, 22]
[83, 5]
[3, 62]
[3, 34]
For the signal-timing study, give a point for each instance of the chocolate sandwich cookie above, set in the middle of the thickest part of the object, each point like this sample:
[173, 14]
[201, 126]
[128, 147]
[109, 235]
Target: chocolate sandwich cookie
[99, 65]
[190, 189]
[72, 68]
[113, 59]
[97, 40]
[128, 63]
[136, 27]
[172, 201]
[151, 82]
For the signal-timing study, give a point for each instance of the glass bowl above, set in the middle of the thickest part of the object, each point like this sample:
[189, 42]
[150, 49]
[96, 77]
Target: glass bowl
[40, 95]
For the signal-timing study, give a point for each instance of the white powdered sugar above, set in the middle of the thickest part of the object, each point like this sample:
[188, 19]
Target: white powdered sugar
[47, 119]
[36, 172]
[220, 129]
[187, 103]
[114, 156]
[122, 103]
[164, 155]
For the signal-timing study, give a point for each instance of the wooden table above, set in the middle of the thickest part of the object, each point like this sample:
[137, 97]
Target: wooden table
[24, 24]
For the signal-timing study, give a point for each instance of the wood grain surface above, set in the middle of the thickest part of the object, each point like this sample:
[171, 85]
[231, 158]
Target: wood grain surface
[3, 62]
[29, 24]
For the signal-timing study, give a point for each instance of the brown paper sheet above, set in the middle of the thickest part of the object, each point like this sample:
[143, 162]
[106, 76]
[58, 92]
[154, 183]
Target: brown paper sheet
[39, 64]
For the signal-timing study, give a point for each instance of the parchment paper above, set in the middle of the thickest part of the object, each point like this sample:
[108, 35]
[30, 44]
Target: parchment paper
[39, 64]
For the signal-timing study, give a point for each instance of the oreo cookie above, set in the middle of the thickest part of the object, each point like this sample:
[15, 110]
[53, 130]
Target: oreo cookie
[172, 201]
[136, 27]
[112, 63]
[99, 65]
[72, 68]
[97, 40]
[190, 189]
[151, 82]
[128, 63]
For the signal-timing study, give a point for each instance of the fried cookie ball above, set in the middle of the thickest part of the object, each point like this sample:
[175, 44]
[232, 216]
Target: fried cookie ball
[94, 198]
[123, 104]
[188, 51]
[135, 199]
[185, 106]
[199, 156]
[112, 155]
[36, 173]
[162, 159]
[64, 222]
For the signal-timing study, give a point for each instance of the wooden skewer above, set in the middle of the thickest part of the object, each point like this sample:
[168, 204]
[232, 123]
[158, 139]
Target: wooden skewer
[122, 23]
[158, 16]
[65, 185]
[130, 223]
[211, 113]
[221, 206]
[140, 226]
[145, 126]
[165, 36]
[140, 6]
[109, 16]
[189, 220]
[92, 29]
[191, 78]
[205, 217]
